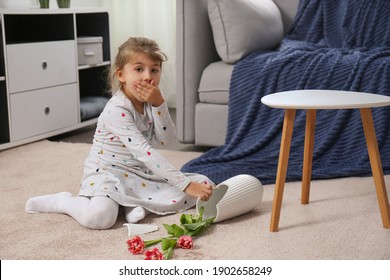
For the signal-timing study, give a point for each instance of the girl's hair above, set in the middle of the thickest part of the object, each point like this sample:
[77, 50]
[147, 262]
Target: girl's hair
[133, 46]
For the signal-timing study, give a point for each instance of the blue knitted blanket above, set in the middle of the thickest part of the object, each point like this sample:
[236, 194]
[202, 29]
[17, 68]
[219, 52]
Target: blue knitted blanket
[337, 45]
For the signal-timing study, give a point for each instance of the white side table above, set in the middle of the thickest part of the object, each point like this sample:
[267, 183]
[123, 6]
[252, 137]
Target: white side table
[312, 100]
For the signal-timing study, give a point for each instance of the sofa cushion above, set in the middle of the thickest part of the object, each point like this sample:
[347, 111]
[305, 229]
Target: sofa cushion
[210, 124]
[242, 26]
[215, 82]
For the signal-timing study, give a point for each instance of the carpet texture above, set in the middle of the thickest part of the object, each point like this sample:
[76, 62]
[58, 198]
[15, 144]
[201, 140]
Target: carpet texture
[342, 220]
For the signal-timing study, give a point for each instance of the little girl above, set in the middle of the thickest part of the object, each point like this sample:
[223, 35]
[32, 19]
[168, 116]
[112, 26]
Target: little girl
[122, 168]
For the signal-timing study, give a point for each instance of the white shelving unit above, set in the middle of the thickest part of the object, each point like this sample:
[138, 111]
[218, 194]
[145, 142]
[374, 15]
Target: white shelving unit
[41, 81]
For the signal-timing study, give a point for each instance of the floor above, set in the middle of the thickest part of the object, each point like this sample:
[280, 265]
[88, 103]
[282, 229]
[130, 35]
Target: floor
[85, 135]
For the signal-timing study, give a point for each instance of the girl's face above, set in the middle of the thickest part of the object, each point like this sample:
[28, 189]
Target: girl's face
[140, 68]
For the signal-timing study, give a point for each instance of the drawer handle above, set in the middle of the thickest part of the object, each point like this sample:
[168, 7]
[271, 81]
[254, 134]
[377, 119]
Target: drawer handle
[44, 65]
[47, 111]
[89, 53]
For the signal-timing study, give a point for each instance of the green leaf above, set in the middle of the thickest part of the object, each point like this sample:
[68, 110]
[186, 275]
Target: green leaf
[200, 217]
[194, 226]
[178, 231]
[197, 228]
[149, 243]
[168, 253]
[169, 228]
[167, 243]
[174, 230]
[186, 219]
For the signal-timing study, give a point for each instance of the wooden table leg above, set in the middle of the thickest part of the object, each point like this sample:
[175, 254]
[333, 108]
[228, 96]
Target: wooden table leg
[308, 155]
[376, 165]
[288, 125]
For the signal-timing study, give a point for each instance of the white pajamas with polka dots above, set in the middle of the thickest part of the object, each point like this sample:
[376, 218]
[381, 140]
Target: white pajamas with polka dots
[123, 166]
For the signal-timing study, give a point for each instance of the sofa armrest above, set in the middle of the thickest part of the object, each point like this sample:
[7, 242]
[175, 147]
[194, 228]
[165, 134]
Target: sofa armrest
[195, 50]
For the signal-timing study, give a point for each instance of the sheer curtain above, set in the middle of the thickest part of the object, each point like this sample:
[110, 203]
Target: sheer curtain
[155, 19]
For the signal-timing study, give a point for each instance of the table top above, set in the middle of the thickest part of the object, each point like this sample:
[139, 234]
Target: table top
[324, 99]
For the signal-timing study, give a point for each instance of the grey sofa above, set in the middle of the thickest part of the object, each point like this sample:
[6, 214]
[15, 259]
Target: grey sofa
[203, 79]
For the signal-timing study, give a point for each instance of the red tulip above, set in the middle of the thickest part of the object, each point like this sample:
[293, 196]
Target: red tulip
[136, 245]
[185, 242]
[154, 254]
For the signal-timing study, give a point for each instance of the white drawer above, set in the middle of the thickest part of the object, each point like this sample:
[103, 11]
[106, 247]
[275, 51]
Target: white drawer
[38, 65]
[44, 110]
[89, 50]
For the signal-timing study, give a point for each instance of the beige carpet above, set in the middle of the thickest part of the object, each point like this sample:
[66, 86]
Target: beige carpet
[341, 222]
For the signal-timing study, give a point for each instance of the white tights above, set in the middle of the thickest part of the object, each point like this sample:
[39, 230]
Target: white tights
[95, 213]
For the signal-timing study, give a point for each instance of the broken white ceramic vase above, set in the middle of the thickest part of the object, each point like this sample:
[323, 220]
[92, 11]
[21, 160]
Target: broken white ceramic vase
[231, 198]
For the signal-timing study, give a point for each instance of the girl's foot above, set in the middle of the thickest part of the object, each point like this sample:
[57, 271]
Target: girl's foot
[134, 215]
[45, 203]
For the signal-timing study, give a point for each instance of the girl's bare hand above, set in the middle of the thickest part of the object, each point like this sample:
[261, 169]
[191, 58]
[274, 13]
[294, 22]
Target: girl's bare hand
[148, 92]
[199, 190]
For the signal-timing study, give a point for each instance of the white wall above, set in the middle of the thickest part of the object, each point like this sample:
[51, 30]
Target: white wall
[155, 19]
